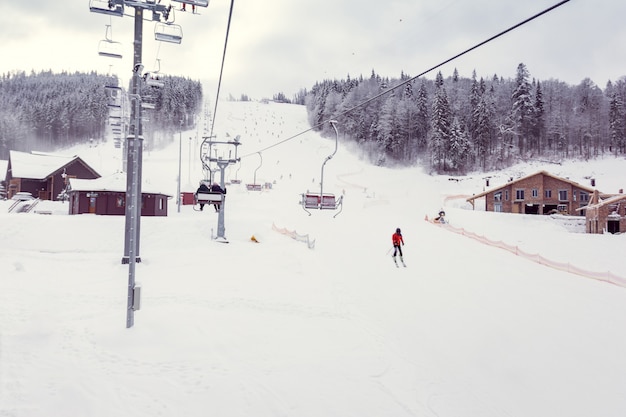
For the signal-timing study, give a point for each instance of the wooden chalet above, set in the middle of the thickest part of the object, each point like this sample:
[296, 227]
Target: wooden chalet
[606, 214]
[44, 175]
[107, 196]
[539, 193]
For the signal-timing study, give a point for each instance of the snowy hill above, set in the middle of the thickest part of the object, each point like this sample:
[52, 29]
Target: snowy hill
[278, 329]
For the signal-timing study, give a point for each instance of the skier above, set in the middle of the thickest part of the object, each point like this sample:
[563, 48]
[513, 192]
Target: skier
[398, 242]
[202, 189]
[441, 218]
[215, 188]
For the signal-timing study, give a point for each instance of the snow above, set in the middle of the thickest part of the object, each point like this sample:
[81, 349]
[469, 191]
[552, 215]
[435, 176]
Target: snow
[275, 328]
[37, 164]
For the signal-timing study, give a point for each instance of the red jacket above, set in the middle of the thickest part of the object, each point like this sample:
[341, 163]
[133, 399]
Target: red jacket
[397, 239]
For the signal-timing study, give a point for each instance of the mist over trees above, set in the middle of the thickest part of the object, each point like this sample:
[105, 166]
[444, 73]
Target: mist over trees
[47, 111]
[451, 125]
[455, 125]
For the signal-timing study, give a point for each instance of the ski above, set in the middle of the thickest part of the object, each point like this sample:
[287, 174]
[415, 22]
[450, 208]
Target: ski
[395, 261]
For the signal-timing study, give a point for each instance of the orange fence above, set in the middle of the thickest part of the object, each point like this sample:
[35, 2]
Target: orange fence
[292, 234]
[567, 267]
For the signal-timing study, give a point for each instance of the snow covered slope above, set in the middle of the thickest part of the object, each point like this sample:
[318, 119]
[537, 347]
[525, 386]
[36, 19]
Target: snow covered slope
[277, 329]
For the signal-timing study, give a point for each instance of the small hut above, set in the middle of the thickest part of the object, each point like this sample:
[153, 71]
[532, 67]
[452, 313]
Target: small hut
[107, 196]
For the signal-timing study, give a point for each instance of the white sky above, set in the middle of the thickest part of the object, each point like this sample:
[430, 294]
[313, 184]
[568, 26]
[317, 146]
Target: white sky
[284, 46]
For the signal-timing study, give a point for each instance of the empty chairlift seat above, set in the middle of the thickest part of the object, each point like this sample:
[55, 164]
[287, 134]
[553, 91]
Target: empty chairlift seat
[315, 201]
[108, 7]
[110, 49]
[168, 32]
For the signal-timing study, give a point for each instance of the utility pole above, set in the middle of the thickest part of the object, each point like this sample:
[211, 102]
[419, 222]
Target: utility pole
[222, 164]
[134, 140]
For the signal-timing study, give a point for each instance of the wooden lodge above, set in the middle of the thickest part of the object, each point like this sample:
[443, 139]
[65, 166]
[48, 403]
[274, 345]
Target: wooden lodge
[107, 196]
[44, 175]
[539, 193]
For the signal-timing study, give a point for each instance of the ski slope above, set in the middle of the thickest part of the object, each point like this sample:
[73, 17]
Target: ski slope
[275, 328]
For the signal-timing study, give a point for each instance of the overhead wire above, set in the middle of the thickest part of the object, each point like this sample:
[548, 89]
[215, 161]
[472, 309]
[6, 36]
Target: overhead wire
[219, 83]
[389, 90]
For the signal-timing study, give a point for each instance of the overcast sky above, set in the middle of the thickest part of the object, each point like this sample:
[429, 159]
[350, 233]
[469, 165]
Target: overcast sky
[286, 45]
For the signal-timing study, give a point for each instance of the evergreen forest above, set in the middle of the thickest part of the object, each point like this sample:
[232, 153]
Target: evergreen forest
[47, 111]
[450, 125]
[455, 125]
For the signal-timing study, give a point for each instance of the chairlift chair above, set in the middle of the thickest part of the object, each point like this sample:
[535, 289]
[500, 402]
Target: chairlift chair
[108, 7]
[321, 200]
[254, 186]
[208, 197]
[110, 49]
[168, 32]
[154, 79]
[114, 96]
[107, 47]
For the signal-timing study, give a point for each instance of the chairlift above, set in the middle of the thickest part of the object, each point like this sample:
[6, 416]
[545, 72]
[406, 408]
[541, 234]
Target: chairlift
[207, 197]
[114, 96]
[168, 32]
[322, 201]
[107, 47]
[108, 7]
[201, 3]
[254, 186]
[154, 79]
[236, 180]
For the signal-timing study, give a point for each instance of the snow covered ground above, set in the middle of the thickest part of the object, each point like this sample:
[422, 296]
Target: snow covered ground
[275, 328]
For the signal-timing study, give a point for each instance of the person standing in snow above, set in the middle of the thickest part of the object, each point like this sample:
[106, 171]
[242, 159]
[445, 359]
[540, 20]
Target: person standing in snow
[398, 242]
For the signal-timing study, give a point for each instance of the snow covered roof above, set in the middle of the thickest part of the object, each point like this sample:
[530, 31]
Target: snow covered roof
[606, 201]
[544, 173]
[112, 183]
[38, 165]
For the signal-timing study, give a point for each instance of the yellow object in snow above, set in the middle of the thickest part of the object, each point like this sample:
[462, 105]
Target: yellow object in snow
[254, 239]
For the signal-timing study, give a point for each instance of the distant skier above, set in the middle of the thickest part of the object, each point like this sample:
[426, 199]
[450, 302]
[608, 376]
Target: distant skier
[441, 218]
[398, 242]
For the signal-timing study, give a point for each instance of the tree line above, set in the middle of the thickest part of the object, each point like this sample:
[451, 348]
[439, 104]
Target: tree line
[455, 125]
[46, 110]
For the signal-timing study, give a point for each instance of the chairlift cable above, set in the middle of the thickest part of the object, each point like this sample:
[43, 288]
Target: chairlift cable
[219, 83]
[387, 91]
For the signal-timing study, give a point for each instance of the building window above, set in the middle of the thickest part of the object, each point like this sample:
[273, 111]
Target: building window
[497, 196]
[584, 197]
[506, 195]
[574, 195]
[535, 193]
[562, 195]
[497, 207]
[519, 194]
[561, 208]
[119, 201]
[548, 193]
[160, 204]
